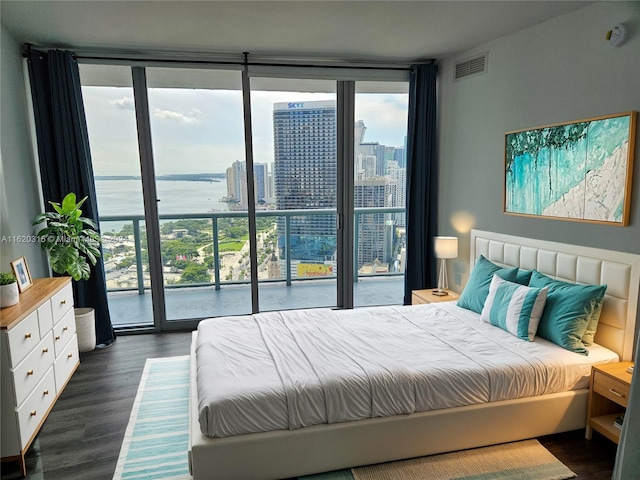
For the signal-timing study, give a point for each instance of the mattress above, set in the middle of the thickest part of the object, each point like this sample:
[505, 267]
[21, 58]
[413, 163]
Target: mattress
[292, 369]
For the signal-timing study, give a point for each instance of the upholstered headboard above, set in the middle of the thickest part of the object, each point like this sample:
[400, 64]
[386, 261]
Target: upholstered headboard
[571, 263]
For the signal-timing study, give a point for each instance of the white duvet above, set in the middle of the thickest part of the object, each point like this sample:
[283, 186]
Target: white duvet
[286, 370]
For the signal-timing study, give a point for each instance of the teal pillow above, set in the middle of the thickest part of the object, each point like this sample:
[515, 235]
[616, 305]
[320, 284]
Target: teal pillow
[514, 308]
[568, 311]
[524, 276]
[477, 288]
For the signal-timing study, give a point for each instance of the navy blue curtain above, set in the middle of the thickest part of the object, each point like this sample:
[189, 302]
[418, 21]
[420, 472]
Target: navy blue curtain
[65, 159]
[422, 181]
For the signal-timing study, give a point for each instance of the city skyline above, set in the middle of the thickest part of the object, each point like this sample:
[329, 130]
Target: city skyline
[202, 131]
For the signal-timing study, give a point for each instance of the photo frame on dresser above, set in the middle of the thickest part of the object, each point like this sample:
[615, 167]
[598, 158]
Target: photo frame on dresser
[578, 171]
[21, 271]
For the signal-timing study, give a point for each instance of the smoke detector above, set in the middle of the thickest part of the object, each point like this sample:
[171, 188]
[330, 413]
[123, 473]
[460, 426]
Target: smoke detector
[615, 36]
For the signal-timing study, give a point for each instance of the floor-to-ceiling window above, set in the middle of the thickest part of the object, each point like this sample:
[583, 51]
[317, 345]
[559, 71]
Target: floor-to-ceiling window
[379, 191]
[197, 165]
[111, 122]
[199, 156]
[295, 160]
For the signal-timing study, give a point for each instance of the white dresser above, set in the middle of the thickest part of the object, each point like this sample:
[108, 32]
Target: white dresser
[39, 354]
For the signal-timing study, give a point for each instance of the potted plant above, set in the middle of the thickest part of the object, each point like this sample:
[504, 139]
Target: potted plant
[9, 294]
[73, 243]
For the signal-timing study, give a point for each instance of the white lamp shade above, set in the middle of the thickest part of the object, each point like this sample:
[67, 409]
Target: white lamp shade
[446, 247]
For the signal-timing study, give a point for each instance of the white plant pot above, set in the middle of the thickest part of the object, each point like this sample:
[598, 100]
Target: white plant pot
[9, 295]
[86, 328]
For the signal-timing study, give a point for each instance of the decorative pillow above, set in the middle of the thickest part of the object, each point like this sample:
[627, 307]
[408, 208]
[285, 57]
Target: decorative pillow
[569, 311]
[524, 276]
[592, 327]
[514, 307]
[477, 288]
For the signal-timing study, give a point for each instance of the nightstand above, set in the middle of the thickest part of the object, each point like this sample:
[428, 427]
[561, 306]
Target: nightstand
[608, 397]
[427, 296]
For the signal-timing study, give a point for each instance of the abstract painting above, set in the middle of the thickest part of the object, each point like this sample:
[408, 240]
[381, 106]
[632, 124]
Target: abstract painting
[578, 171]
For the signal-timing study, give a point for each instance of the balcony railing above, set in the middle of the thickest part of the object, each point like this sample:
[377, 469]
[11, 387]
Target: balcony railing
[287, 215]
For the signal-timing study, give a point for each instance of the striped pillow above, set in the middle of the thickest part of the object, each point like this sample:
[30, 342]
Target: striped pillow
[514, 307]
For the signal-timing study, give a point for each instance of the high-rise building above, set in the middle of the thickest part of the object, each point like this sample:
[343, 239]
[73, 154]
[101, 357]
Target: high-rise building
[396, 190]
[261, 178]
[305, 173]
[237, 183]
[373, 229]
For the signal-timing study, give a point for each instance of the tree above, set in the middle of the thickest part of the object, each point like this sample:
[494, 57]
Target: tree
[195, 273]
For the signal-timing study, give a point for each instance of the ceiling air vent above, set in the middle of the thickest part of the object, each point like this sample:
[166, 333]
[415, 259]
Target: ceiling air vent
[473, 66]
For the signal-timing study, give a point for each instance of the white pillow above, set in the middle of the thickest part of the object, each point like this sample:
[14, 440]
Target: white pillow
[514, 307]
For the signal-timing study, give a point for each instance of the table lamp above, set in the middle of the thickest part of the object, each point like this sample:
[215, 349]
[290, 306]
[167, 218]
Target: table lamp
[444, 247]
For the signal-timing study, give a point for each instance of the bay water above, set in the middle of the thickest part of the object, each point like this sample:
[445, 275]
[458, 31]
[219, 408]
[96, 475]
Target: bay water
[123, 196]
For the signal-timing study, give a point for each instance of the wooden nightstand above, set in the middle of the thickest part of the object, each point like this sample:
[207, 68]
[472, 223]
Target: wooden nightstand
[608, 397]
[427, 296]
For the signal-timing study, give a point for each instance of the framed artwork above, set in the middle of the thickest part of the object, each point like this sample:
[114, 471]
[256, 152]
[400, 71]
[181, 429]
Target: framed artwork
[21, 271]
[579, 171]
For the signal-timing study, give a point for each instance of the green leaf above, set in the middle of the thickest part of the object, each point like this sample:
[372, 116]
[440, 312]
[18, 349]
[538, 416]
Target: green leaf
[56, 207]
[89, 222]
[62, 256]
[79, 270]
[81, 202]
[69, 203]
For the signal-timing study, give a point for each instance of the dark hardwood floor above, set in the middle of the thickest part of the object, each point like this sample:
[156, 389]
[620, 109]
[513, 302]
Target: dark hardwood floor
[81, 438]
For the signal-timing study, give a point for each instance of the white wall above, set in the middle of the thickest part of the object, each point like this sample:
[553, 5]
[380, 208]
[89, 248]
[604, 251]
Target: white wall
[19, 190]
[560, 70]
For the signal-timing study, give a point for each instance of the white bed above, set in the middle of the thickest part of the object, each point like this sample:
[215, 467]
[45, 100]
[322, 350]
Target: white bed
[286, 452]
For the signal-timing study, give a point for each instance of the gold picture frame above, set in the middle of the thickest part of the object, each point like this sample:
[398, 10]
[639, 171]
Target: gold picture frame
[578, 171]
[21, 271]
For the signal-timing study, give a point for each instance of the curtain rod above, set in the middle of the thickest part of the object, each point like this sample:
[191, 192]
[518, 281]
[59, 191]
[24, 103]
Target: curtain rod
[169, 58]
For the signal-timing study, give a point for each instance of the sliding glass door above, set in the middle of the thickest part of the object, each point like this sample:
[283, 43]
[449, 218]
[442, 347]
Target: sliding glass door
[295, 165]
[379, 190]
[198, 154]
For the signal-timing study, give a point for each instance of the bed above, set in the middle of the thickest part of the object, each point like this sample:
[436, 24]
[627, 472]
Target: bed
[283, 452]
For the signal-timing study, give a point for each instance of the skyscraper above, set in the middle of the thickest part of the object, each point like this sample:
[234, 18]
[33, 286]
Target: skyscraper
[305, 170]
[237, 183]
[373, 239]
[261, 178]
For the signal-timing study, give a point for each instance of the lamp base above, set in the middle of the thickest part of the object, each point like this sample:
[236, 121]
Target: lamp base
[439, 293]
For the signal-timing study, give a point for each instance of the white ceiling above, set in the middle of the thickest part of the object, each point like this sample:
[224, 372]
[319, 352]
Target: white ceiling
[354, 30]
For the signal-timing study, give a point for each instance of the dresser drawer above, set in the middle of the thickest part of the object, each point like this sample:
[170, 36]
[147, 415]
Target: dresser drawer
[34, 409]
[610, 388]
[45, 318]
[66, 363]
[28, 373]
[23, 338]
[63, 331]
[61, 302]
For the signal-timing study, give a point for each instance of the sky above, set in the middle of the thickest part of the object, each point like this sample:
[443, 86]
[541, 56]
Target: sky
[201, 130]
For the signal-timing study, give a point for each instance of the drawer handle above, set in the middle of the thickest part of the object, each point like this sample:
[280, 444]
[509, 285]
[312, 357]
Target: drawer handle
[65, 329]
[57, 337]
[33, 413]
[46, 392]
[617, 394]
[27, 335]
[62, 302]
[45, 350]
[70, 355]
[30, 372]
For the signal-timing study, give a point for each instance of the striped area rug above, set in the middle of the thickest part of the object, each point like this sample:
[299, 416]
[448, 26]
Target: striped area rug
[156, 443]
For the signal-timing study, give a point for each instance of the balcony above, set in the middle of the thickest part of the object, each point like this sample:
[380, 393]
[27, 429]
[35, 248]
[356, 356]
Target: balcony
[226, 291]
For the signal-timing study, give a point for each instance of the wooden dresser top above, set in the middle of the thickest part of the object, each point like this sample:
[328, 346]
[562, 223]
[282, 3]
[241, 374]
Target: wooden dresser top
[31, 299]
